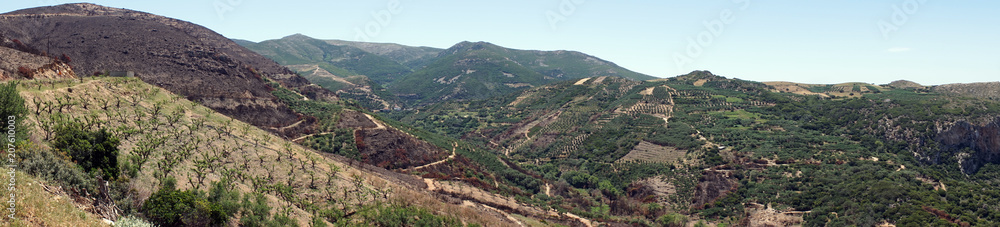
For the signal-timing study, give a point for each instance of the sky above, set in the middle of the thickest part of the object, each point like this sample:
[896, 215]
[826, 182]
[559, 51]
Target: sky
[877, 41]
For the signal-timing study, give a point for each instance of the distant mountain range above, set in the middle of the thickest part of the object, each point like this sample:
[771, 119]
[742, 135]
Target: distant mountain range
[425, 75]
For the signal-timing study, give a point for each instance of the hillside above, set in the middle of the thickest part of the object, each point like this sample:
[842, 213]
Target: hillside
[728, 151]
[410, 56]
[989, 90]
[164, 136]
[348, 71]
[184, 58]
[480, 70]
[424, 75]
[192, 131]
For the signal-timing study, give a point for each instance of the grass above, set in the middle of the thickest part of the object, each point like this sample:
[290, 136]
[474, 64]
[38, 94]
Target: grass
[37, 207]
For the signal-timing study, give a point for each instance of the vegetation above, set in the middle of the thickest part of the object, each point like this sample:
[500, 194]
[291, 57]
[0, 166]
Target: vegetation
[172, 207]
[95, 151]
[226, 171]
[870, 158]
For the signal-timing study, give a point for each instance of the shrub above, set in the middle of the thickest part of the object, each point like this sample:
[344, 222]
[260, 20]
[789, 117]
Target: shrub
[671, 220]
[27, 73]
[12, 105]
[256, 212]
[48, 165]
[132, 221]
[95, 151]
[172, 207]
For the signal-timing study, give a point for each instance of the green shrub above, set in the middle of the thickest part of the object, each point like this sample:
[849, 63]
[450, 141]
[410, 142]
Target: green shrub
[12, 105]
[95, 151]
[132, 221]
[171, 207]
[672, 219]
[45, 164]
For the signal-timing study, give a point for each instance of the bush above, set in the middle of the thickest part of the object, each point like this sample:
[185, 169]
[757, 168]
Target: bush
[132, 221]
[95, 151]
[12, 105]
[672, 220]
[171, 207]
[50, 166]
[27, 73]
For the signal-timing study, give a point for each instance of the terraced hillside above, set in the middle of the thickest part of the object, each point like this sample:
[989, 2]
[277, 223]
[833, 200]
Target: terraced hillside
[164, 136]
[701, 147]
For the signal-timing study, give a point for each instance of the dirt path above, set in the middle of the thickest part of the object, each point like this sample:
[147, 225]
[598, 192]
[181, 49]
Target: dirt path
[310, 135]
[505, 214]
[581, 219]
[431, 185]
[378, 125]
[450, 157]
[292, 125]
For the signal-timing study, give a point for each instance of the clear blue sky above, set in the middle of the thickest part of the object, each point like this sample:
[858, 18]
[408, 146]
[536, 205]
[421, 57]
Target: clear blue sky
[927, 41]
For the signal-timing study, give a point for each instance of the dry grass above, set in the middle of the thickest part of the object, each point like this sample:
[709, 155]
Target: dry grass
[37, 207]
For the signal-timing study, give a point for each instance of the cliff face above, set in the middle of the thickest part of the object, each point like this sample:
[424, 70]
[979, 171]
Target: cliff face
[974, 145]
[179, 56]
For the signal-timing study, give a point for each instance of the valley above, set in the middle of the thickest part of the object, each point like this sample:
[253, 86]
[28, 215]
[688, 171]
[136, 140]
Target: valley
[173, 124]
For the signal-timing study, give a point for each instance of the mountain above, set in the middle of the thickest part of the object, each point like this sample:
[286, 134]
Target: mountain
[410, 56]
[465, 71]
[480, 70]
[743, 153]
[341, 60]
[350, 72]
[184, 58]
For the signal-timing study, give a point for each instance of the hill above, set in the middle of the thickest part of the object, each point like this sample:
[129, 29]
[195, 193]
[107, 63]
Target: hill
[989, 90]
[480, 70]
[350, 72]
[729, 151]
[164, 137]
[410, 56]
[194, 130]
[464, 71]
[184, 58]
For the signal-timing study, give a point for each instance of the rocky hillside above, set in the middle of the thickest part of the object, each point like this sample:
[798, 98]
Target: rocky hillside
[20, 63]
[988, 90]
[742, 153]
[184, 58]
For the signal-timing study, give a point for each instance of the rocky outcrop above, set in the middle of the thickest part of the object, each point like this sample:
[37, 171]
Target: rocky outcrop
[973, 145]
